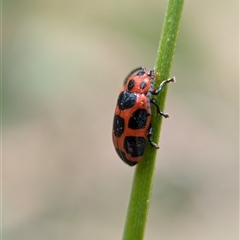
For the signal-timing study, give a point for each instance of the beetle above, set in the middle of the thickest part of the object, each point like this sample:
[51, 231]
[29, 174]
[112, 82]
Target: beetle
[132, 118]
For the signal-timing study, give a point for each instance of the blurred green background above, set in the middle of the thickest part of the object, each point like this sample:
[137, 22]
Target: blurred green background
[63, 66]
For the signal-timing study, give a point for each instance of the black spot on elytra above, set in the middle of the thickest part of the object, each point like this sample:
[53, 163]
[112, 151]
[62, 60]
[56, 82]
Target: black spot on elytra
[138, 119]
[126, 100]
[135, 145]
[118, 125]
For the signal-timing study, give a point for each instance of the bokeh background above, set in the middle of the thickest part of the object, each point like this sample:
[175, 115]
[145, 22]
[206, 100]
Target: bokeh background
[63, 67]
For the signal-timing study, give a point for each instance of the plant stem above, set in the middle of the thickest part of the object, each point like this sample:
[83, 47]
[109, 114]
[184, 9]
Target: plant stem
[144, 173]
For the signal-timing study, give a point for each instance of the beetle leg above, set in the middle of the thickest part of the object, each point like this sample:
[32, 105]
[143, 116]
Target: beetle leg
[154, 102]
[157, 91]
[150, 132]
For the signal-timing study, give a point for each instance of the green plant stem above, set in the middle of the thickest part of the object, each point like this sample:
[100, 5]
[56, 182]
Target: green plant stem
[144, 173]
